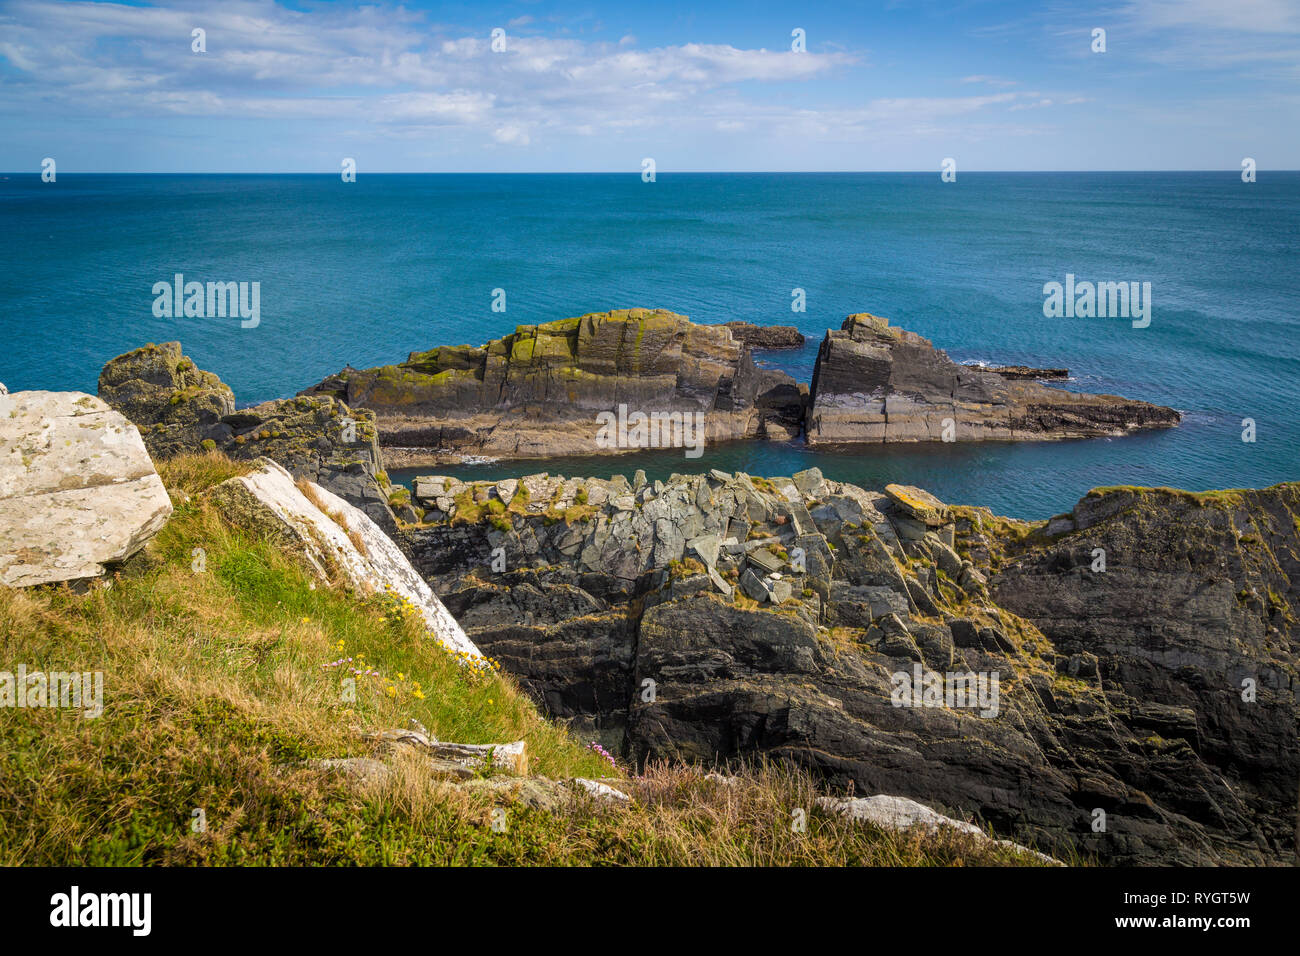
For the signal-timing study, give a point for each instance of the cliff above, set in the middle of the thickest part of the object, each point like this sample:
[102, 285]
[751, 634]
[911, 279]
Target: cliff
[796, 616]
[877, 383]
[540, 391]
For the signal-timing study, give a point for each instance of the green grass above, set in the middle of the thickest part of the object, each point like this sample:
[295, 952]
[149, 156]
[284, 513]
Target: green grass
[213, 682]
[216, 694]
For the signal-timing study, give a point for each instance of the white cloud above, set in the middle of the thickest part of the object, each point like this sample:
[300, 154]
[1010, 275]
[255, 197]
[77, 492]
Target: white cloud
[511, 134]
[379, 66]
[1251, 16]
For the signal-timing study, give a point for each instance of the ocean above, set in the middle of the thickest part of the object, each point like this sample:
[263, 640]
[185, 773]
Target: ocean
[363, 273]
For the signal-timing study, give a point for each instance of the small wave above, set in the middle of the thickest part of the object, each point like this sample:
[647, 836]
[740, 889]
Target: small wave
[477, 459]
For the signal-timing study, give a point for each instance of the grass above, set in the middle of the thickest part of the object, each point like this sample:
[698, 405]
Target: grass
[223, 663]
[214, 684]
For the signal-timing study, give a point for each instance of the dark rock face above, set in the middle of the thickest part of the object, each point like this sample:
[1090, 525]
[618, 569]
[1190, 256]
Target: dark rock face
[179, 408]
[1024, 371]
[718, 615]
[539, 391]
[1189, 632]
[877, 383]
[767, 336]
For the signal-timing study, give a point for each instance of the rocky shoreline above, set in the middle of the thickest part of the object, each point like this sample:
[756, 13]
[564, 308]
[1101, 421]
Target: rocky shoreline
[776, 615]
[1133, 660]
[1024, 371]
[543, 390]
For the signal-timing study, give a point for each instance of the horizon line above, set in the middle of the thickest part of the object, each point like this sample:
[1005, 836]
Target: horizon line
[621, 172]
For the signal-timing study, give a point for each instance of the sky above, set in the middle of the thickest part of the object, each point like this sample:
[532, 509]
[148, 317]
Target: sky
[600, 86]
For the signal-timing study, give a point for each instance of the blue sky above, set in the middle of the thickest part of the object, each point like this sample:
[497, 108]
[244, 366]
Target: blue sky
[598, 86]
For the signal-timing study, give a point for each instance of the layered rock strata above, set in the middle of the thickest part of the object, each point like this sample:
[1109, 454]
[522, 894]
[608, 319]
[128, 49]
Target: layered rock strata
[974, 663]
[877, 383]
[541, 391]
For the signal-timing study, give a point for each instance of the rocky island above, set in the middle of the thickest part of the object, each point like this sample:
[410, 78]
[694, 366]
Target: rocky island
[540, 391]
[877, 383]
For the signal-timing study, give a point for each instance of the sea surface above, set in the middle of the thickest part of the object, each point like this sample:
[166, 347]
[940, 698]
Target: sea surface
[366, 272]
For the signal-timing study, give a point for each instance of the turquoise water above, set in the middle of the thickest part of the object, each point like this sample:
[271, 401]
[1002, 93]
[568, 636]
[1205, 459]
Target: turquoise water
[365, 272]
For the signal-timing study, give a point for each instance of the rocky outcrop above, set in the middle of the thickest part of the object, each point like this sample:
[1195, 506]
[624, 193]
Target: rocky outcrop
[909, 647]
[338, 541]
[877, 383]
[78, 491]
[545, 391]
[1179, 611]
[767, 336]
[176, 404]
[181, 408]
[541, 390]
[1024, 371]
[899, 813]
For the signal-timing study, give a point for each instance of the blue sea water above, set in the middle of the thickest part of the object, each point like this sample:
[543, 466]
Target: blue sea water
[365, 272]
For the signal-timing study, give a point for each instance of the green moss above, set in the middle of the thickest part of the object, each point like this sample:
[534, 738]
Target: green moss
[521, 349]
[686, 567]
[560, 326]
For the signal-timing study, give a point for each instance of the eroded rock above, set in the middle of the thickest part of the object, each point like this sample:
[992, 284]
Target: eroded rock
[340, 542]
[180, 408]
[1118, 690]
[877, 383]
[78, 491]
[539, 391]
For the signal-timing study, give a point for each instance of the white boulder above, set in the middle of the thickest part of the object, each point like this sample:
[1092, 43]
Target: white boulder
[332, 534]
[900, 813]
[78, 490]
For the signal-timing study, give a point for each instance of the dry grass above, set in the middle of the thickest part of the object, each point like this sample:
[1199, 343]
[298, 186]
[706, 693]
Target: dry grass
[312, 494]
